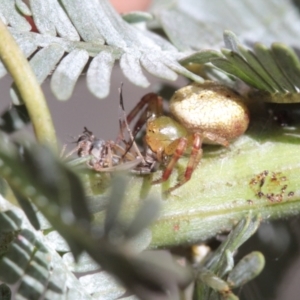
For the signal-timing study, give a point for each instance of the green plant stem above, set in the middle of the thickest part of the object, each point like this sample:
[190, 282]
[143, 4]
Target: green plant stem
[259, 172]
[31, 92]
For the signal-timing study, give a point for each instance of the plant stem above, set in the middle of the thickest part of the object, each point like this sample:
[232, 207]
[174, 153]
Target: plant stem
[258, 172]
[31, 92]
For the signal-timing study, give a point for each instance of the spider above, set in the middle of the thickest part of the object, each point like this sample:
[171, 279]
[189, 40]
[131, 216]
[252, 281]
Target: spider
[200, 113]
[110, 156]
[104, 156]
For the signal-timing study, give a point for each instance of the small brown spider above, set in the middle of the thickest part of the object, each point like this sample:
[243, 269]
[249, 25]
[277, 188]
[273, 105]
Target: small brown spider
[110, 156]
[201, 113]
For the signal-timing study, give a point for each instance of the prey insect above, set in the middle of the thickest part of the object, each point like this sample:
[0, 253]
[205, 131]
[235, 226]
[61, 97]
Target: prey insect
[111, 156]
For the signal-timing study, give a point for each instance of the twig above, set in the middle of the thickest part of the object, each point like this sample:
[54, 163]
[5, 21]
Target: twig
[28, 87]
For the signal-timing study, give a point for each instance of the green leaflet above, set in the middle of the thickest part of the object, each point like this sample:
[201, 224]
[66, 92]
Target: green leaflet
[274, 71]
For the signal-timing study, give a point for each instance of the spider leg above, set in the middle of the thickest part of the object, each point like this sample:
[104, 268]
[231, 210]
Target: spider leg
[154, 107]
[216, 138]
[195, 157]
[63, 150]
[109, 157]
[123, 153]
[154, 103]
[131, 143]
[180, 149]
[69, 153]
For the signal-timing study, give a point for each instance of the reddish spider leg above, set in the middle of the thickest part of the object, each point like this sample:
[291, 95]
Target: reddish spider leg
[181, 145]
[177, 148]
[154, 109]
[150, 106]
[125, 124]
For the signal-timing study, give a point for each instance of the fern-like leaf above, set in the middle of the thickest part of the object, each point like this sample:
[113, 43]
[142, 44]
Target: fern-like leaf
[217, 275]
[50, 187]
[29, 264]
[273, 71]
[198, 24]
[83, 30]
